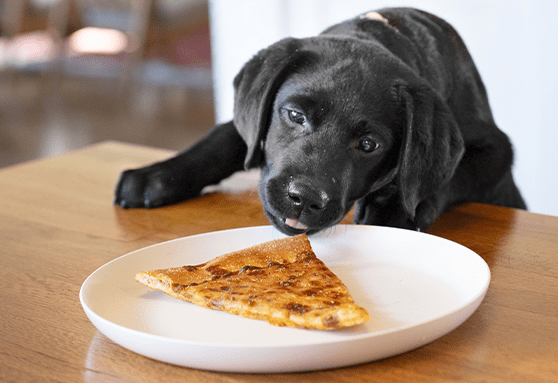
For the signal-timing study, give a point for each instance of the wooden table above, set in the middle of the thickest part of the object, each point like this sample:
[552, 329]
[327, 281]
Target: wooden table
[58, 224]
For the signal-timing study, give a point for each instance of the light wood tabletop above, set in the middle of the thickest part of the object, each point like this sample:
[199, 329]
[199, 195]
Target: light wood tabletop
[58, 225]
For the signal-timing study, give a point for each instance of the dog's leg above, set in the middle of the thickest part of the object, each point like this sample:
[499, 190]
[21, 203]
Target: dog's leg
[215, 157]
[382, 208]
[484, 174]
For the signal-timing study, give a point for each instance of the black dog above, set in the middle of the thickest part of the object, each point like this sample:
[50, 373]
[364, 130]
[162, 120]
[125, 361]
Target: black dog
[386, 110]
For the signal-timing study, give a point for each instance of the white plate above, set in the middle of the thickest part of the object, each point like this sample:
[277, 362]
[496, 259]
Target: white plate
[416, 288]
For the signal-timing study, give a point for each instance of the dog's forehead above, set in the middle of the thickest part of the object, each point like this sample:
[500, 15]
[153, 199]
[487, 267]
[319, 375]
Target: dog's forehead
[341, 69]
[342, 76]
[354, 91]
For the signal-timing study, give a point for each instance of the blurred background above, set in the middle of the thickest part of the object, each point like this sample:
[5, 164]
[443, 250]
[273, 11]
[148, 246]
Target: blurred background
[159, 72]
[77, 72]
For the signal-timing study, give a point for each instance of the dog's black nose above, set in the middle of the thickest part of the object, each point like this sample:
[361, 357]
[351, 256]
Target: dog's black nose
[307, 198]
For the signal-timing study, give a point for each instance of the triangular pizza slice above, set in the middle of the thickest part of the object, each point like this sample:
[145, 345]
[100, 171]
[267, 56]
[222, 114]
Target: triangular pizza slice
[280, 281]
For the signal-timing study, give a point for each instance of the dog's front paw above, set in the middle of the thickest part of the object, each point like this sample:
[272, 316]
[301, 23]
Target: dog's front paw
[152, 187]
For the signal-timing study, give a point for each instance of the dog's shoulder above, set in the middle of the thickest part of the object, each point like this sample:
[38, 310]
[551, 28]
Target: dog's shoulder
[422, 41]
[409, 22]
[407, 33]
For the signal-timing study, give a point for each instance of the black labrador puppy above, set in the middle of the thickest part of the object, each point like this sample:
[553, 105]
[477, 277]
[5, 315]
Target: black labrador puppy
[386, 110]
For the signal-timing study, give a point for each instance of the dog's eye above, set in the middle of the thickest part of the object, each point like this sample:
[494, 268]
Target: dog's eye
[367, 145]
[297, 117]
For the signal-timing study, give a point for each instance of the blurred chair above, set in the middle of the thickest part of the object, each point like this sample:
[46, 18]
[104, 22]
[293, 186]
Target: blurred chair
[130, 17]
[35, 33]
[32, 33]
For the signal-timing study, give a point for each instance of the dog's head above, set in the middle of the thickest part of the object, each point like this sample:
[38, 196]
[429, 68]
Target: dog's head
[331, 121]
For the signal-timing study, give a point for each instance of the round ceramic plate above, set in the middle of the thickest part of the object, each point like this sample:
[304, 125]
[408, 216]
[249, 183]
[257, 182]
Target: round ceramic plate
[416, 288]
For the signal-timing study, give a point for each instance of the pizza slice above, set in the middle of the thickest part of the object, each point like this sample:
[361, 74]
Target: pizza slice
[280, 281]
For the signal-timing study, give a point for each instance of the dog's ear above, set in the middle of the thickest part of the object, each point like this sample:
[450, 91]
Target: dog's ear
[431, 149]
[255, 88]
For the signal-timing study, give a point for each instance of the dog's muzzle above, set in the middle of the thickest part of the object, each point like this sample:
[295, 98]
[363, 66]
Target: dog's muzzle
[297, 205]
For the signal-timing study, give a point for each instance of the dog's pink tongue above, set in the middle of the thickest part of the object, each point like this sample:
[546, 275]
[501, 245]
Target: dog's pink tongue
[295, 224]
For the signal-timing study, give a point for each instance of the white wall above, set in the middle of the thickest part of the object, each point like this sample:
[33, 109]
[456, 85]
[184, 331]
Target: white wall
[513, 42]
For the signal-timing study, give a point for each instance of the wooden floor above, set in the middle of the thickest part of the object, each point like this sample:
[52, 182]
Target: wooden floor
[41, 116]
